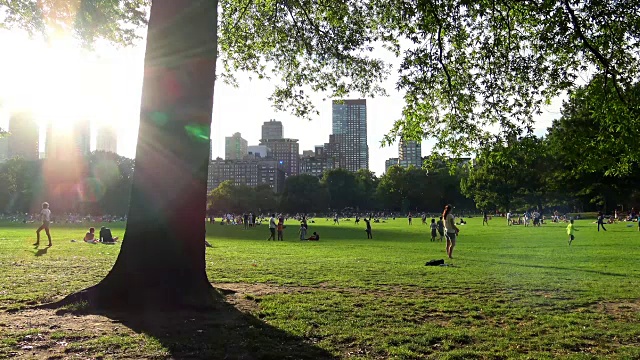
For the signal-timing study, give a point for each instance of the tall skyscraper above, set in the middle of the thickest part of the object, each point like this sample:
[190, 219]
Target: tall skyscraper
[25, 137]
[333, 150]
[235, 147]
[4, 145]
[409, 153]
[68, 143]
[272, 129]
[54, 143]
[107, 139]
[81, 137]
[286, 152]
[350, 124]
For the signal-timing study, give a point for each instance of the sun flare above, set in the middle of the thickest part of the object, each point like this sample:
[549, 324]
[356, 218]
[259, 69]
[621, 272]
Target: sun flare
[62, 84]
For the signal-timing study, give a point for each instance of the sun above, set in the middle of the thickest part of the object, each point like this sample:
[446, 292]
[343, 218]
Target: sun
[61, 84]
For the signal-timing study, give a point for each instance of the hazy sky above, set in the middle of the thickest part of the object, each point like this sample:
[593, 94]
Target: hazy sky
[59, 82]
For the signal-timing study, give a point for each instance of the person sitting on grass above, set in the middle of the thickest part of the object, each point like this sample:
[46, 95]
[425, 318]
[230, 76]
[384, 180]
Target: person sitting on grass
[314, 237]
[106, 237]
[90, 237]
[570, 231]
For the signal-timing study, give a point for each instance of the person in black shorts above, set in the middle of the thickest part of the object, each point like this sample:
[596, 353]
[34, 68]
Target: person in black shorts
[440, 225]
[601, 221]
[434, 229]
[368, 230]
[45, 216]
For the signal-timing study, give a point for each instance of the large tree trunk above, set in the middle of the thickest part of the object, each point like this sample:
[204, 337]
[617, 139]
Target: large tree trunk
[161, 263]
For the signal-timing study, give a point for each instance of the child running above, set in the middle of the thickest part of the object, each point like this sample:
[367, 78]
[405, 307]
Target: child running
[45, 216]
[570, 231]
[280, 228]
[440, 225]
[434, 229]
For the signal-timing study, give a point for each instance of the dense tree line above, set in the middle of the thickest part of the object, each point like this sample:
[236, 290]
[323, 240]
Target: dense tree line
[584, 163]
[97, 184]
[399, 189]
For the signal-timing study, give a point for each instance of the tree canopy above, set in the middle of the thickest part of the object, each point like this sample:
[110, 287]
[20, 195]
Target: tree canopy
[88, 20]
[473, 72]
[479, 71]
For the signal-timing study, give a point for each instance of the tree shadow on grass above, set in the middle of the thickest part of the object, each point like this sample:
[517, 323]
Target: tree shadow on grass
[223, 332]
[598, 272]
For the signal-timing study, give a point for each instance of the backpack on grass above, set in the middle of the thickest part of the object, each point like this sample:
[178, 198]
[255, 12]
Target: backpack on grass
[434, 262]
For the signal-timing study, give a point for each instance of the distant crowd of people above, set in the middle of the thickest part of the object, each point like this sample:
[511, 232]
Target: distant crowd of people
[68, 218]
[445, 227]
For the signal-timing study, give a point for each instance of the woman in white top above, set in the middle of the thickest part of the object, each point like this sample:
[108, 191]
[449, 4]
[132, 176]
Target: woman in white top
[45, 216]
[451, 228]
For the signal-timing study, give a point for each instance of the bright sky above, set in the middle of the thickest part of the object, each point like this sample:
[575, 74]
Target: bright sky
[60, 83]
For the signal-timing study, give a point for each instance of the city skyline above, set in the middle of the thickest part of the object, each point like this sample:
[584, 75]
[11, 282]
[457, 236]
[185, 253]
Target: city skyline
[114, 77]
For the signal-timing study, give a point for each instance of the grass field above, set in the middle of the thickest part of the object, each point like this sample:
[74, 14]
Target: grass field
[509, 292]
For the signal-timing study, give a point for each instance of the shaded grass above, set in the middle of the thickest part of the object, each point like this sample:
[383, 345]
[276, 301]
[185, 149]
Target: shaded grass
[511, 292]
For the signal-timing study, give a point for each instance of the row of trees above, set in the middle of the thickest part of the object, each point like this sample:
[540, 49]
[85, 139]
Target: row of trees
[585, 162]
[97, 184]
[399, 189]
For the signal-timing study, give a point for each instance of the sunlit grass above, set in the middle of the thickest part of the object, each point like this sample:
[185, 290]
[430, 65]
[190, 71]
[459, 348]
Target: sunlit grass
[508, 292]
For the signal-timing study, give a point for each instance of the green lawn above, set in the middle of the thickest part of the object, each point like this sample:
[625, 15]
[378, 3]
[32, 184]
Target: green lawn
[509, 292]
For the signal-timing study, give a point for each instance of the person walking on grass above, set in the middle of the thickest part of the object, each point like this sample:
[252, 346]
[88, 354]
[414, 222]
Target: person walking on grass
[368, 230]
[303, 232]
[410, 218]
[440, 225]
[336, 221]
[45, 217]
[280, 228]
[601, 221]
[272, 227]
[485, 218]
[434, 229]
[451, 228]
[570, 231]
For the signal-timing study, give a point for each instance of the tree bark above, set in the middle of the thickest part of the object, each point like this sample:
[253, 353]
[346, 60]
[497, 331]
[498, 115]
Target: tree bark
[161, 262]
